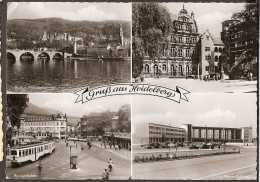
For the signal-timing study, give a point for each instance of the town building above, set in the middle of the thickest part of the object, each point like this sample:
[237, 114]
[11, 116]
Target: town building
[152, 133]
[176, 62]
[118, 138]
[212, 53]
[44, 126]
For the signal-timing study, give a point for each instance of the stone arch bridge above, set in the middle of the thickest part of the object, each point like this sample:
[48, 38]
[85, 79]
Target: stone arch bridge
[49, 55]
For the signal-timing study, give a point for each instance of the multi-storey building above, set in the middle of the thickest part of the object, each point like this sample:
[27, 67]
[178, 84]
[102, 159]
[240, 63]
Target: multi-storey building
[183, 39]
[43, 126]
[151, 133]
[212, 52]
[234, 48]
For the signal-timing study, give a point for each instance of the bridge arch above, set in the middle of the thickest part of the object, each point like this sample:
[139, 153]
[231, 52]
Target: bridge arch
[44, 56]
[57, 55]
[10, 56]
[27, 56]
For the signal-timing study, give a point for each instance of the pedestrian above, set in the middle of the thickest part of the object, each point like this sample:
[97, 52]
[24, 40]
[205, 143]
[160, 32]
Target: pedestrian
[76, 145]
[105, 174]
[251, 76]
[39, 166]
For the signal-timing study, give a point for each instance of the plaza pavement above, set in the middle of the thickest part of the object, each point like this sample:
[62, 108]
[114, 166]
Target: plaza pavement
[122, 152]
[91, 163]
[232, 166]
[200, 86]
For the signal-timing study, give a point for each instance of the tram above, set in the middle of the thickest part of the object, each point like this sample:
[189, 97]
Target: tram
[31, 152]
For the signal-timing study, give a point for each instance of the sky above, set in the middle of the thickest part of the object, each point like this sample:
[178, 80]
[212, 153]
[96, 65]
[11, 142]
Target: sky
[65, 103]
[71, 11]
[207, 15]
[225, 110]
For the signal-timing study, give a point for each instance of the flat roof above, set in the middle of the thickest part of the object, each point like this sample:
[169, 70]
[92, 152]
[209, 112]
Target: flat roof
[165, 125]
[30, 145]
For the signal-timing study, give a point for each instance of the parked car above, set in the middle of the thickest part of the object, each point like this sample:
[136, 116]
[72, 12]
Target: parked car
[172, 145]
[148, 146]
[157, 145]
[205, 146]
[193, 146]
[165, 145]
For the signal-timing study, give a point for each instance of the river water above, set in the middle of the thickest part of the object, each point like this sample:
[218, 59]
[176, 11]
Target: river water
[64, 75]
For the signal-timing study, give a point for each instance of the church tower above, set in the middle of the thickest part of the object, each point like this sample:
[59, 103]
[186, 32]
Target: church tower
[121, 35]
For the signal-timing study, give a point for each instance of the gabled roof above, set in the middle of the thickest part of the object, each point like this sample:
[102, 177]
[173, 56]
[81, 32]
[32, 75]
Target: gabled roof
[218, 41]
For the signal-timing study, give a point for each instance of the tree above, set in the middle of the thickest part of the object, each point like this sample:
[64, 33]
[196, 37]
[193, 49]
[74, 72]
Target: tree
[16, 104]
[247, 28]
[124, 123]
[211, 62]
[151, 26]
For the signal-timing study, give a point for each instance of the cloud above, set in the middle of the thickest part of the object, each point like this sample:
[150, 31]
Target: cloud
[45, 10]
[217, 116]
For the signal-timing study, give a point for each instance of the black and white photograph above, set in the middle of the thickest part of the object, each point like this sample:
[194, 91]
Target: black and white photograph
[211, 137]
[204, 47]
[64, 46]
[49, 137]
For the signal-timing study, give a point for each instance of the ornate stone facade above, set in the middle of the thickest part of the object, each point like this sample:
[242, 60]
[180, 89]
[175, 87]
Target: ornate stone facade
[177, 61]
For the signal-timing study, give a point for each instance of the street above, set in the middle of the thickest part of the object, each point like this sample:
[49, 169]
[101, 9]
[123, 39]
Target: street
[200, 86]
[91, 164]
[232, 166]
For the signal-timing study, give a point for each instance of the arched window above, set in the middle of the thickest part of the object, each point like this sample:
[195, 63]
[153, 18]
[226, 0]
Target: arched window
[216, 49]
[216, 58]
[187, 69]
[224, 49]
[164, 67]
[220, 49]
[146, 68]
[220, 58]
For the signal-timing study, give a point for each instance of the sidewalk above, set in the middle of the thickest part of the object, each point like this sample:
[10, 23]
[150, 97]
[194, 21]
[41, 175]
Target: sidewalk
[122, 152]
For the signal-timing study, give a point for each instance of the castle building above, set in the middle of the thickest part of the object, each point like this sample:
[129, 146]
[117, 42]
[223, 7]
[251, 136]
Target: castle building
[177, 61]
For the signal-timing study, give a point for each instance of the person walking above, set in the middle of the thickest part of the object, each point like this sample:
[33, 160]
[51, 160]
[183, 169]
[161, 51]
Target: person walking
[105, 174]
[39, 166]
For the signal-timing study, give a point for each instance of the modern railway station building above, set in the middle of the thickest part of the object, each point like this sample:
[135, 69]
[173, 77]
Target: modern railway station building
[153, 133]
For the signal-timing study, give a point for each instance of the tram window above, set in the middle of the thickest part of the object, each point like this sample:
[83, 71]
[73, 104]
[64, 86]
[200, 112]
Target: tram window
[23, 152]
[29, 151]
[20, 154]
[42, 148]
[13, 152]
[26, 152]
